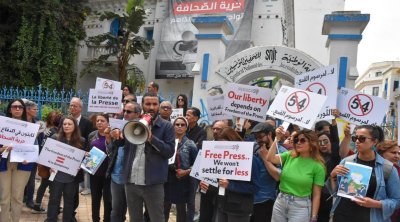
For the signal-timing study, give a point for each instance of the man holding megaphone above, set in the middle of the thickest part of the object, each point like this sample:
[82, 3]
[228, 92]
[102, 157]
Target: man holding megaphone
[148, 144]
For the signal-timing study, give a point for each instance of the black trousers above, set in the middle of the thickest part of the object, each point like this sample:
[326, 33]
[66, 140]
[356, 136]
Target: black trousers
[262, 211]
[100, 187]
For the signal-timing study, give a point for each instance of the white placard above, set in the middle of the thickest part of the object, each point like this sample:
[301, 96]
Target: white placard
[195, 172]
[24, 152]
[104, 101]
[249, 102]
[172, 159]
[61, 157]
[361, 109]
[230, 160]
[176, 113]
[17, 131]
[322, 81]
[139, 99]
[296, 106]
[215, 108]
[107, 84]
[117, 123]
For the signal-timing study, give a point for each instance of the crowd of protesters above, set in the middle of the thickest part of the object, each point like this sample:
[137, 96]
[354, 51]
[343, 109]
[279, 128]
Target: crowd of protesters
[295, 172]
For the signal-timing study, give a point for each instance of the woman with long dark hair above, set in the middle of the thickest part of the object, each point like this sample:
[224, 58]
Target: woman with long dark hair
[383, 193]
[302, 178]
[237, 203]
[13, 176]
[65, 185]
[182, 102]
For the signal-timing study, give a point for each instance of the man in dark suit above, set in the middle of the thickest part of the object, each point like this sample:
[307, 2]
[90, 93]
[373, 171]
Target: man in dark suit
[86, 127]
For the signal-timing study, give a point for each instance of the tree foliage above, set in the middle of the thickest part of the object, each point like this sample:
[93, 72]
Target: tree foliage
[40, 42]
[123, 45]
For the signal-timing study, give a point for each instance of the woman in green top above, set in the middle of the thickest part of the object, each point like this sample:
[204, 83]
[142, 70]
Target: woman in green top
[302, 177]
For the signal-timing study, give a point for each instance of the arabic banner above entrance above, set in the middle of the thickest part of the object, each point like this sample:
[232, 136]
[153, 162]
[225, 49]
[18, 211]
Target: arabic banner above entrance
[280, 58]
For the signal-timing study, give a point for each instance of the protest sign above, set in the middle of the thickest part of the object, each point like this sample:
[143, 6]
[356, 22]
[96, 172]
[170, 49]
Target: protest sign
[24, 152]
[104, 101]
[17, 131]
[61, 157]
[361, 109]
[172, 159]
[249, 102]
[227, 159]
[215, 108]
[195, 172]
[117, 123]
[322, 81]
[296, 106]
[176, 113]
[107, 84]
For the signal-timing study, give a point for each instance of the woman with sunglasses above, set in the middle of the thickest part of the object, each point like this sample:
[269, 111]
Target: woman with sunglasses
[99, 184]
[383, 194]
[177, 188]
[65, 185]
[237, 203]
[182, 102]
[389, 150]
[302, 178]
[13, 176]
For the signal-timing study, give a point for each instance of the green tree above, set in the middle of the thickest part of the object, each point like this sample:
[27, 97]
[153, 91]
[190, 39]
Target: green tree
[43, 43]
[122, 45]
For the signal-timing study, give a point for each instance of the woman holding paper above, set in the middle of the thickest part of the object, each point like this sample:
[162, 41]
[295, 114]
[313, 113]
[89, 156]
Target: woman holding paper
[13, 176]
[302, 178]
[99, 184]
[65, 185]
[237, 202]
[178, 186]
[182, 102]
[383, 194]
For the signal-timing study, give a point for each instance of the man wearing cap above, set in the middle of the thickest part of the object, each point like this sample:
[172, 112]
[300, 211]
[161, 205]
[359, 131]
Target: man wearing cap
[268, 173]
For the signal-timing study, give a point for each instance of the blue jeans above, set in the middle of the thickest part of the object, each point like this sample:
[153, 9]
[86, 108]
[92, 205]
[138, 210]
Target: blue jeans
[119, 207]
[289, 208]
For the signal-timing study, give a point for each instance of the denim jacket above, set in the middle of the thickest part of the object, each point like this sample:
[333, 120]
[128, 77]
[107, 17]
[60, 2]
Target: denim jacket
[388, 194]
[187, 154]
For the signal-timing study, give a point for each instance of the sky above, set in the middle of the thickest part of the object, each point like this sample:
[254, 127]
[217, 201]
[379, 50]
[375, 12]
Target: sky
[381, 37]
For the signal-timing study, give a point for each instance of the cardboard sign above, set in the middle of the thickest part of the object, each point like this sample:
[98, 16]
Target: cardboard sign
[107, 84]
[104, 101]
[249, 102]
[297, 106]
[61, 157]
[17, 131]
[24, 152]
[323, 81]
[176, 113]
[227, 159]
[117, 123]
[215, 108]
[195, 172]
[361, 109]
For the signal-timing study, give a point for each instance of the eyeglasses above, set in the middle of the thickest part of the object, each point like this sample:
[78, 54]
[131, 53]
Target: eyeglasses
[323, 142]
[179, 125]
[301, 140]
[127, 100]
[165, 107]
[360, 138]
[128, 111]
[17, 107]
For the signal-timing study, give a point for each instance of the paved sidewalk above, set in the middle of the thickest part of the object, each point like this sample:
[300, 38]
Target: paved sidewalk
[84, 211]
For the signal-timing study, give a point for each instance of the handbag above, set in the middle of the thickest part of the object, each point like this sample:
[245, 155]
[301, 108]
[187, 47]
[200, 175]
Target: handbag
[43, 171]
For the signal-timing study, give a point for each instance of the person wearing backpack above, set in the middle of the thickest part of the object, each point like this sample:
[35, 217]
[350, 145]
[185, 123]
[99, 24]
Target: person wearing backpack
[383, 194]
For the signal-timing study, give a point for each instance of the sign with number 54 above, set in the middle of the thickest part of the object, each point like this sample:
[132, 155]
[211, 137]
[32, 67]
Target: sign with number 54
[361, 109]
[297, 106]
